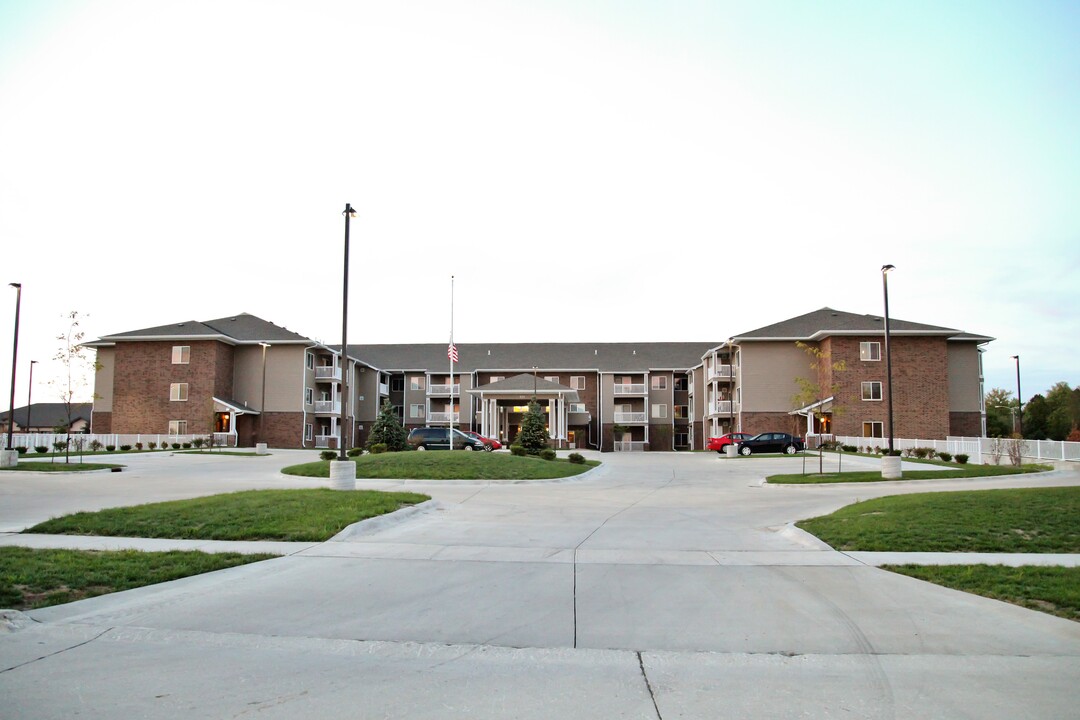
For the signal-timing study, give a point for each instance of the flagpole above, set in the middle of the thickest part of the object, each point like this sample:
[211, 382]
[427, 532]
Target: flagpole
[450, 355]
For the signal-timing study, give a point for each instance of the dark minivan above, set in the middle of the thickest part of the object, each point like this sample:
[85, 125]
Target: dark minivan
[438, 438]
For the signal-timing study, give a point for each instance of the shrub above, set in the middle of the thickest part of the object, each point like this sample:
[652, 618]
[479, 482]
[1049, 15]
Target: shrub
[877, 449]
[138, 446]
[152, 445]
[850, 448]
[894, 453]
[931, 453]
[59, 445]
[1074, 436]
[947, 457]
[376, 448]
[110, 448]
[961, 458]
[547, 454]
[353, 452]
[187, 446]
[125, 448]
[21, 449]
[176, 446]
[517, 450]
[919, 452]
[328, 455]
[41, 449]
[576, 458]
[197, 442]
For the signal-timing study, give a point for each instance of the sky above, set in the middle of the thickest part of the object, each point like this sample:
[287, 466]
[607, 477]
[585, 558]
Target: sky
[585, 170]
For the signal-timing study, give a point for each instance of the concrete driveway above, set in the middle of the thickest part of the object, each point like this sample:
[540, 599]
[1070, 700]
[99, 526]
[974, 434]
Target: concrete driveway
[660, 586]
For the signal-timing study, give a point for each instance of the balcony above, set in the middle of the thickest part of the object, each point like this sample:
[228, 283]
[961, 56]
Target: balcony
[630, 418]
[721, 372]
[326, 441]
[635, 389]
[721, 407]
[384, 388]
[444, 417]
[444, 389]
[629, 446]
[328, 373]
[327, 406]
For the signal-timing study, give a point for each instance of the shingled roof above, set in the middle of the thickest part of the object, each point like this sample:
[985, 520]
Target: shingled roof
[826, 321]
[235, 329]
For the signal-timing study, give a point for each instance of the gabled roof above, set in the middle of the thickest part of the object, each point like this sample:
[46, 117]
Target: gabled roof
[826, 322]
[527, 384]
[242, 329]
[603, 357]
[49, 414]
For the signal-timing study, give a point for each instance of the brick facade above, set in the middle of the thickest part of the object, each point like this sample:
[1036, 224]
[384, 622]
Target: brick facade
[760, 422]
[102, 422]
[965, 424]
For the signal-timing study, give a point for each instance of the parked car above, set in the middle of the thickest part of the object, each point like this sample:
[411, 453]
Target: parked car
[438, 438]
[771, 443]
[719, 443]
[489, 443]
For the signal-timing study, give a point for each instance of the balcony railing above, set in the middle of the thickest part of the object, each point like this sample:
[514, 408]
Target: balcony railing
[630, 417]
[437, 417]
[443, 389]
[327, 372]
[629, 446]
[635, 389]
[721, 372]
[384, 388]
[325, 441]
[721, 407]
[327, 406]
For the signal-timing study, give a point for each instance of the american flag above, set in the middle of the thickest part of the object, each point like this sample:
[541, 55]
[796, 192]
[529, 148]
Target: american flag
[451, 352]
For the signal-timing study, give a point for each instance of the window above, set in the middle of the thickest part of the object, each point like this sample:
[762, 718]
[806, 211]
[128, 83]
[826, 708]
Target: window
[181, 354]
[178, 427]
[497, 378]
[577, 382]
[682, 412]
[308, 396]
[870, 351]
[659, 410]
[309, 429]
[552, 378]
[397, 383]
[178, 391]
[659, 382]
[873, 429]
[309, 360]
[576, 407]
[681, 384]
[416, 411]
[416, 383]
[871, 390]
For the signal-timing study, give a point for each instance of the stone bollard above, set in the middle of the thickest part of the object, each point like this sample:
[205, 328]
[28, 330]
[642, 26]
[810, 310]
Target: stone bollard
[730, 450]
[890, 467]
[260, 449]
[342, 475]
[9, 458]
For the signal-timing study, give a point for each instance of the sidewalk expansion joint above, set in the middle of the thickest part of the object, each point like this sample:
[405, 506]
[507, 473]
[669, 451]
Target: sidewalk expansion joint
[648, 685]
[58, 652]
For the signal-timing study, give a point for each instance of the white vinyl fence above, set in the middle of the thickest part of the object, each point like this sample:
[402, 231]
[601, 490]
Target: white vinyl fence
[977, 447]
[33, 440]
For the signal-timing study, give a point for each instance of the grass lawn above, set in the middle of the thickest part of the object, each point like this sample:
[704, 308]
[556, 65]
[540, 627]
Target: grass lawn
[291, 515]
[38, 578]
[1028, 520]
[950, 470]
[1054, 590]
[447, 465]
[38, 466]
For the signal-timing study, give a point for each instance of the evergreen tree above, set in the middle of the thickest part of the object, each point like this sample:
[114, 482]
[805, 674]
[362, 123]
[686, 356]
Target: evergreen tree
[534, 435]
[1036, 418]
[388, 429]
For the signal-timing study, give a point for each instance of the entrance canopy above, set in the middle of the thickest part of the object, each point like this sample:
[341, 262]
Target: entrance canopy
[499, 402]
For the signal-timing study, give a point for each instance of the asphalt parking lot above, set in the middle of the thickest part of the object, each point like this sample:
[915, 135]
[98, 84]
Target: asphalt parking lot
[661, 585]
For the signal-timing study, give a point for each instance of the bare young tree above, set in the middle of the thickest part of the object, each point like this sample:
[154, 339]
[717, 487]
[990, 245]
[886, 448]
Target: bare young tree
[815, 392]
[78, 361]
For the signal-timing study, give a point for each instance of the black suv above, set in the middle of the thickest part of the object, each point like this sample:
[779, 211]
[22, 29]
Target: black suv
[438, 438]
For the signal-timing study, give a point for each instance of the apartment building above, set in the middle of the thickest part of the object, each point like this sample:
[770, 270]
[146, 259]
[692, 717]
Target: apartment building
[248, 380]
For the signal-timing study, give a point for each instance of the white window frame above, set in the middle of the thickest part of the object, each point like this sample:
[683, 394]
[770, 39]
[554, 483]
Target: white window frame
[178, 427]
[309, 432]
[181, 354]
[659, 382]
[416, 410]
[552, 378]
[577, 382]
[868, 349]
[868, 389]
[497, 378]
[178, 392]
[417, 382]
[875, 425]
[659, 411]
[309, 396]
[397, 383]
[309, 361]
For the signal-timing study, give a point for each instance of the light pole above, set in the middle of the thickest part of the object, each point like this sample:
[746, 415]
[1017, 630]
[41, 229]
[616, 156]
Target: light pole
[1019, 401]
[29, 393]
[262, 401]
[1012, 411]
[888, 354]
[14, 357]
[349, 214]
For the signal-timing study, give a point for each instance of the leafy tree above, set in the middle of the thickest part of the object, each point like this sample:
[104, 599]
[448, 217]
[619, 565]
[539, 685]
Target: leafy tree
[388, 430]
[1062, 419]
[814, 391]
[1000, 405]
[534, 435]
[78, 363]
[1036, 418]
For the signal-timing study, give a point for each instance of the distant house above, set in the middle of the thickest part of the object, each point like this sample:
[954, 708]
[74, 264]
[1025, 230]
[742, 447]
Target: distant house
[47, 417]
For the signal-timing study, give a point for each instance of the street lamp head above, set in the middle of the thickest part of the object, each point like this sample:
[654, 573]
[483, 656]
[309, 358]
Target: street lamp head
[887, 268]
[1015, 357]
[349, 212]
[15, 285]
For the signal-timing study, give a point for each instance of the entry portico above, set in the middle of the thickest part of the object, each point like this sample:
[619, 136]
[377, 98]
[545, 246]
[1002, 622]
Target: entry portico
[503, 403]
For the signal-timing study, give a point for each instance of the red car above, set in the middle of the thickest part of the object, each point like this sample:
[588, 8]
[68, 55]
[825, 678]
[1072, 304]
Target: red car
[489, 443]
[719, 443]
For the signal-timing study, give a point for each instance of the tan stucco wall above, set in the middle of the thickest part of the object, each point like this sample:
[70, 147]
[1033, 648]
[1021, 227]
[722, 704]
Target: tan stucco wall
[965, 394]
[767, 375]
[103, 379]
[284, 377]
